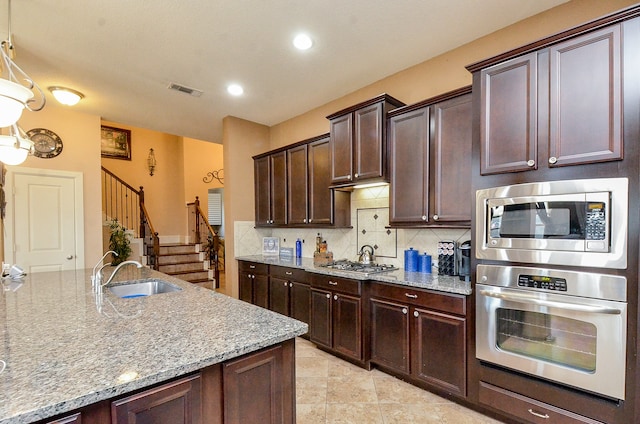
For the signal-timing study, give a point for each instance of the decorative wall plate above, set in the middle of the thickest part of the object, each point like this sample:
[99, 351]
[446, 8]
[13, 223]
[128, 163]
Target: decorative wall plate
[46, 143]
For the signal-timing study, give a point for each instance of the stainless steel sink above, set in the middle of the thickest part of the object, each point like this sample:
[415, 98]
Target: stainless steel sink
[143, 288]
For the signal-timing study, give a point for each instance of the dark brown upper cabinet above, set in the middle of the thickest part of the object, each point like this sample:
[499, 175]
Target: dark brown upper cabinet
[358, 142]
[292, 187]
[430, 162]
[311, 201]
[556, 106]
[270, 189]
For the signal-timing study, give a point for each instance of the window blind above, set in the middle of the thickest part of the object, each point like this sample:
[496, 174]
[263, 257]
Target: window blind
[215, 208]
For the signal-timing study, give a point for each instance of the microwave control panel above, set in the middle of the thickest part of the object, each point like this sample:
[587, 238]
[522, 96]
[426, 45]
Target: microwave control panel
[596, 222]
[542, 282]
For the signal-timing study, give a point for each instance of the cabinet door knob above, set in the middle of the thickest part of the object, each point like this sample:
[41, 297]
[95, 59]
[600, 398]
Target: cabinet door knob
[416, 314]
[404, 311]
[349, 177]
[411, 296]
[355, 175]
[424, 217]
[328, 295]
[310, 220]
[286, 284]
[531, 163]
[553, 160]
[335, 297]
[290, 284]
[304, 220]
[436, 217]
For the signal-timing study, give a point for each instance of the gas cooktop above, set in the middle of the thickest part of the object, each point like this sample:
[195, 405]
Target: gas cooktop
[346, 265]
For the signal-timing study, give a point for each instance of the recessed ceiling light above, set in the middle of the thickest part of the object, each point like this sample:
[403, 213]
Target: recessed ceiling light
[235, 89]
[302, 42]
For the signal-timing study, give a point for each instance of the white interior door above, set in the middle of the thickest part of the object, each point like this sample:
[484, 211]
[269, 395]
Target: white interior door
[44, 224]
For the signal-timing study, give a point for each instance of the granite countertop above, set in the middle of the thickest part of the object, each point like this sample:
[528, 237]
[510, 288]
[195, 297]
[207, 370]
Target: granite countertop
[443, 283]
[65, 347]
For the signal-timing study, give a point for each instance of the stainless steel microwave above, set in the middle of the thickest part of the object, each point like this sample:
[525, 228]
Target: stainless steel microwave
[573, 222]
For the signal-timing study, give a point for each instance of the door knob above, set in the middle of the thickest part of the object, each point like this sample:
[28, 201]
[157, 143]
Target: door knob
[70, 257]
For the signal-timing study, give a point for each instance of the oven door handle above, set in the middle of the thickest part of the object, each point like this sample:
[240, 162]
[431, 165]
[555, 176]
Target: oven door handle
[523, 298]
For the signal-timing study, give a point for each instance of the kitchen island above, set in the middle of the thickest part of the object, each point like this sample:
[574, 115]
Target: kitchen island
[66, 348]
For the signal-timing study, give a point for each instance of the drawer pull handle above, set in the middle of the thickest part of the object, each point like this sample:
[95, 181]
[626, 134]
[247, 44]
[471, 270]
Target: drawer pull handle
[411, 296]
[252, 267]
[333, 283]
[288, 273]
[537, 414]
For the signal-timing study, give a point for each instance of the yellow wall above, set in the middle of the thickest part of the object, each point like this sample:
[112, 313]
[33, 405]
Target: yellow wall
[447, 71]
[200, 158]
[164, 191]
[80, 134]
[241, 140]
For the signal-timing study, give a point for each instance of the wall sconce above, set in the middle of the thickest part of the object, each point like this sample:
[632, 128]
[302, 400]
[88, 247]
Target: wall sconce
[151, 162]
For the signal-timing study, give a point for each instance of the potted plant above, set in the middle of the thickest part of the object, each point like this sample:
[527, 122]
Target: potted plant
[119, 242]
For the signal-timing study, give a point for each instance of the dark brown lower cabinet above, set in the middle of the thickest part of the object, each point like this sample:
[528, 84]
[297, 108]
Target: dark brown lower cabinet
[289, 292]
[253, 283]
[178, 402]
[260, 388]
[257, 388]
[527, 409]
[421, 335]
[336, 316]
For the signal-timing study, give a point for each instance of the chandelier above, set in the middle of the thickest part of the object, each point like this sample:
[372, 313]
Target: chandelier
[17, 92]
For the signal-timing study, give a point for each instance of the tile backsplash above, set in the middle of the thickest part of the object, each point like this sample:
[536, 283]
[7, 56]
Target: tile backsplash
[345, 243]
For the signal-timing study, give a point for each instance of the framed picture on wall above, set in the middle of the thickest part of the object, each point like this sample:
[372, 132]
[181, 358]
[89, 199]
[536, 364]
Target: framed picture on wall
[115, 143]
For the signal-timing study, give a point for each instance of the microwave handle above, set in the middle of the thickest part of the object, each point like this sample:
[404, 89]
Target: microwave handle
[563, 305]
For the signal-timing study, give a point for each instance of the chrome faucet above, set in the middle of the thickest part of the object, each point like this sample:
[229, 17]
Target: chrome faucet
[115, 271]
[96, 275]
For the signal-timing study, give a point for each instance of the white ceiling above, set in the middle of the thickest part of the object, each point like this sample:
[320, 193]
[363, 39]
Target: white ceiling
[122, 54]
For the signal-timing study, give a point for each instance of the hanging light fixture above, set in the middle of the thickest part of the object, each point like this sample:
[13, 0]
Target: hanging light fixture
[66, 96]
[14, 147]
[17, 89]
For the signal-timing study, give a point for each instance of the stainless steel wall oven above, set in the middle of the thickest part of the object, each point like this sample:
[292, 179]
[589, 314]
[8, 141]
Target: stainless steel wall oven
[565, 326]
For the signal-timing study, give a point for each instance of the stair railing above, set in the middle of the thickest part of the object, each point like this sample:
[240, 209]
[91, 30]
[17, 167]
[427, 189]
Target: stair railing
[126, 204]
[203, 234]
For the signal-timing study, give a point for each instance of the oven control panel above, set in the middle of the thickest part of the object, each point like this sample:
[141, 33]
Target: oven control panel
[542, 282]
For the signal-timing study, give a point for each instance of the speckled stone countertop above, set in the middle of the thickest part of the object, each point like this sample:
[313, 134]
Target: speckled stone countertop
[443, 283]
[65, 347]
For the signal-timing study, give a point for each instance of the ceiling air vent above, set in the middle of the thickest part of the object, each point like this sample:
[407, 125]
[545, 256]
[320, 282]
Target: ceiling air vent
[184, 89]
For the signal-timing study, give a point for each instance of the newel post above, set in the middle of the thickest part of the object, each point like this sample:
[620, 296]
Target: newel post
[197, 213]
[141, 201]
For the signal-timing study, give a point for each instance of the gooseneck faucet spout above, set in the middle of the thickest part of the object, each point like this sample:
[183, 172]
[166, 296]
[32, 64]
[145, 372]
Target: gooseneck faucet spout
[96, 275]
[120, 266]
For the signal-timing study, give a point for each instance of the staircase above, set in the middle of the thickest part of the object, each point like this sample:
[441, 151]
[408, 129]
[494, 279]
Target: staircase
[184, 261]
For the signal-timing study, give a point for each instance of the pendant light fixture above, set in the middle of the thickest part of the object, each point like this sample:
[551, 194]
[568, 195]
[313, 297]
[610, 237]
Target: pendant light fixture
[14, 146]
[17, 89]
[17, 92]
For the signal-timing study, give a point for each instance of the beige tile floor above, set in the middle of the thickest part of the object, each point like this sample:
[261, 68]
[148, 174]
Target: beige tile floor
[331, 391]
